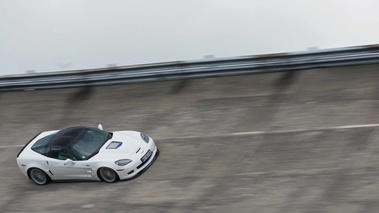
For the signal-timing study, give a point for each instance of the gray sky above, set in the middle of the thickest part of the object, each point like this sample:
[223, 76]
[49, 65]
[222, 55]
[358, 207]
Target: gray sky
[54, 35]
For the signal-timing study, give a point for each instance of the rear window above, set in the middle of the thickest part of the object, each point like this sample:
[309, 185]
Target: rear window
[42, 143]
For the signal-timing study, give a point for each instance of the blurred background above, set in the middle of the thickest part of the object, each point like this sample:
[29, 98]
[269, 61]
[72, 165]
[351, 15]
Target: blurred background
[298, 140]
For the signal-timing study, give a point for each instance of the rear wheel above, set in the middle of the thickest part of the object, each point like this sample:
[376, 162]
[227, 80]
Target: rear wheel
[38, 176]
[108, 175]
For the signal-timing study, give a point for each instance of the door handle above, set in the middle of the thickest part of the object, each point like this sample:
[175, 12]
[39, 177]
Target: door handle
[68, 162]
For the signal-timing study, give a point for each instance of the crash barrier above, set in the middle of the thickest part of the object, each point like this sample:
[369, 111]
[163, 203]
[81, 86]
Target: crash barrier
[194, 69]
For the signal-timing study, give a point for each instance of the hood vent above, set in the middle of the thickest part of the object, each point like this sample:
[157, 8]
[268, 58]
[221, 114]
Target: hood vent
[114, 145]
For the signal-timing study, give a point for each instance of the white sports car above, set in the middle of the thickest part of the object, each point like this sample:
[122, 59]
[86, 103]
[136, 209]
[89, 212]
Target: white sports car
[85, 153]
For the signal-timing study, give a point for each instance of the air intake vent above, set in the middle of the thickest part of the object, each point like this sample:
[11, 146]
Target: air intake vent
[114, 145]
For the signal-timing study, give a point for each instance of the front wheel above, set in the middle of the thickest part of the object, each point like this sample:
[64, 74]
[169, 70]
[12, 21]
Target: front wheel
[108, 175]
[38, 176]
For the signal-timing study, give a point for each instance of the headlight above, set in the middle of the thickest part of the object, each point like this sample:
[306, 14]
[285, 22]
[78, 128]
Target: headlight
[122, 162]
[145, 137]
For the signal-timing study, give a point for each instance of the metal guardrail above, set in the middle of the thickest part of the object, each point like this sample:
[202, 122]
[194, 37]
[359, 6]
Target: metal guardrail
[194, 69]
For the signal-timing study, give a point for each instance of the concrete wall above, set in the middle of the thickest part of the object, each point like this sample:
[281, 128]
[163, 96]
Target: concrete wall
[280, 142]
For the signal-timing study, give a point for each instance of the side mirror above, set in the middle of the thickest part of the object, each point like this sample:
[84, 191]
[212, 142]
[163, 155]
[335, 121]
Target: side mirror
[68, 161]
[100, 127]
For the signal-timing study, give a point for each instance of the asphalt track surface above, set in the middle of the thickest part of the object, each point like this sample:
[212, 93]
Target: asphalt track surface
[305, 141]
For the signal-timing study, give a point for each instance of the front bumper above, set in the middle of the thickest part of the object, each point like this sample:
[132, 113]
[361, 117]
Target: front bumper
[138, 167]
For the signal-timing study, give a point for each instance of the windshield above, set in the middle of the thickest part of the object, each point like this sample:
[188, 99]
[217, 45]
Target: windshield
[89, 143]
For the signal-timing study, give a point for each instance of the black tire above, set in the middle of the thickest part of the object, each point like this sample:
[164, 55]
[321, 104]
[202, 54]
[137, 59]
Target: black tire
[108, 175]
[38, 176]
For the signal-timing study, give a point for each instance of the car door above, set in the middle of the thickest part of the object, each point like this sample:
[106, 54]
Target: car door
[63, 165]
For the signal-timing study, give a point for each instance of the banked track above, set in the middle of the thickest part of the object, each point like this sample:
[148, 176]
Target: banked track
[303, 141]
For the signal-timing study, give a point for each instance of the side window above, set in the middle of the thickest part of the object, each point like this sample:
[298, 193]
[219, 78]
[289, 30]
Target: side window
[63, 155]
[60, 154]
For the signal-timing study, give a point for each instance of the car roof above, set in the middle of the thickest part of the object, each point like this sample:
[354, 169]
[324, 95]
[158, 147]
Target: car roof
[68, 136]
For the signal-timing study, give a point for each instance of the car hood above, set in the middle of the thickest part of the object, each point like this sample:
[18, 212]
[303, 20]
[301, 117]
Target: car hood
[122, 145]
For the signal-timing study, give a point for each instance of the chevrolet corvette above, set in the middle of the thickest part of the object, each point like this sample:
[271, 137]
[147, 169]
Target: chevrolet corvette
[86, 153]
